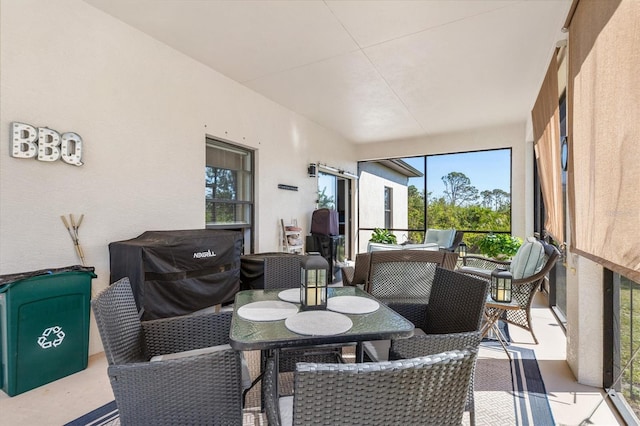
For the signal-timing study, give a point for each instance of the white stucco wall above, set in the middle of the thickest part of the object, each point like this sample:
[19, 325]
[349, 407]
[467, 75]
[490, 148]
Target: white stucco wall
[143, 111]
[371, 190]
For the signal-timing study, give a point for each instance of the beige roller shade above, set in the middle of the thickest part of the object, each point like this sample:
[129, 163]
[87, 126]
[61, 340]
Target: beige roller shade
[545, 117]
[604, 133]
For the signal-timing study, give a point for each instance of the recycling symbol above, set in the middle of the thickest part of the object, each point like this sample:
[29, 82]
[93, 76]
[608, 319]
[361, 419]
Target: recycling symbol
[51, 337]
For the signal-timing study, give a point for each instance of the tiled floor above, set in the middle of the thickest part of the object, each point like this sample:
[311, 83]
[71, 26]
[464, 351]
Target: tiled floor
[72, 396]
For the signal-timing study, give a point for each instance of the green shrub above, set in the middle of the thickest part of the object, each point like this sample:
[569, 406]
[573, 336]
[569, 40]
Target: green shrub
[499, 246]
[383, 236]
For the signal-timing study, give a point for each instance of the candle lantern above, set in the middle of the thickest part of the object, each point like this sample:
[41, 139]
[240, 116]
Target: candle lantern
[501, 285]
[462, 249]
[313, 282]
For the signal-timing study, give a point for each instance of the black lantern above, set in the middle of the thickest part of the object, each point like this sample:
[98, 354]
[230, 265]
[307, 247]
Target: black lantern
[313, 282]
[501, 285]
[462, 249]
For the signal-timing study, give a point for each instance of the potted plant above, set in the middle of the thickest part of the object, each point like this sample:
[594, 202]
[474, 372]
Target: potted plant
[383, 236]
[499, 246]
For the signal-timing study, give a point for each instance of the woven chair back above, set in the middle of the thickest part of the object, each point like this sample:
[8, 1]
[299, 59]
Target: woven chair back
[456, 303]
[426, 390]
[119, 323]
[282, 272]
[402, 274]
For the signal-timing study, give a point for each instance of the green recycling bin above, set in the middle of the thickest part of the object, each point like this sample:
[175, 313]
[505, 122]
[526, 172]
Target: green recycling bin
[44, 326]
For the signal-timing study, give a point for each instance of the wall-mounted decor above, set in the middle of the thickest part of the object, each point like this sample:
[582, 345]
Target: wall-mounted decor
[287, 187]
[45, 144]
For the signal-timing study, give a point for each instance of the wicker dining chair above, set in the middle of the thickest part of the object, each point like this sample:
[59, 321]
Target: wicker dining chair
[524, 286]
[453, 320]
[426, 390]
[202, 388]
[402, 279]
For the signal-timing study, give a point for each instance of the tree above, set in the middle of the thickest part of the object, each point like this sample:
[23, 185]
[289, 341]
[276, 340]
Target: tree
[458, 189]
[325, 201]
[220, 185]
[487, 198]
[496, 199]
[489, 213]
[415, 207]
[502, 199]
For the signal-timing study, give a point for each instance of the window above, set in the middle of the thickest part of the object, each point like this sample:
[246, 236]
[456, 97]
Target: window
[468, 191]
[388, 206]
[229, 188]
[327, 190]
[622, 364]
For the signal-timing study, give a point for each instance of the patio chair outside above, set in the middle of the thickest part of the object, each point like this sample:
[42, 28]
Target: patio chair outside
[443, 238]
[524, 287]
[204, 388]
[427, 390]
[457, 240]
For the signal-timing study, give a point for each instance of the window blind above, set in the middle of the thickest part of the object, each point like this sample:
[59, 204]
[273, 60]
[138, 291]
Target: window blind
[604, 133]
[545, 117]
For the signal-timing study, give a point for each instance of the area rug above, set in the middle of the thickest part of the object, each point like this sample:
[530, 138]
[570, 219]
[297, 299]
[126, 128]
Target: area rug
[506, 392]
[518, 398]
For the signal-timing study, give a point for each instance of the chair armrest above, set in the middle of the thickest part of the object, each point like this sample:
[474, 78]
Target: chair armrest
[347, 275]
[483, 262]
[429, 344]
[192, 389]
[414, 311]
[185, 333]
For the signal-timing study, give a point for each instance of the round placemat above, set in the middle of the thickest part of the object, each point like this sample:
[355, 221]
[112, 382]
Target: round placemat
[352, 304]
[318, 323]
[267, 310]
[291, 295]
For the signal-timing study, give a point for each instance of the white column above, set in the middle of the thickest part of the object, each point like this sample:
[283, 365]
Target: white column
[584, 319]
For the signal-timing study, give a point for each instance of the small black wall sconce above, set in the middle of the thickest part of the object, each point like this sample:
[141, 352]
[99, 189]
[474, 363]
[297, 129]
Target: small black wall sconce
[311, 170]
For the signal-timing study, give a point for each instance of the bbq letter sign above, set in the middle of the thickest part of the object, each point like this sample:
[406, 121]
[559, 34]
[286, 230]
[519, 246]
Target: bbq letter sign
[45, 144]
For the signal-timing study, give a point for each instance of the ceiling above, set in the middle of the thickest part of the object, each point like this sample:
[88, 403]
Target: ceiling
[369, 70]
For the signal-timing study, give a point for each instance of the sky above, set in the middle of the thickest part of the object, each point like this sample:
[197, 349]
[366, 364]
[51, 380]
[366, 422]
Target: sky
[487, 170]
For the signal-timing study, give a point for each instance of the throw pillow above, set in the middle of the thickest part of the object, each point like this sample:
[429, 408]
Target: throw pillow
[528, 260]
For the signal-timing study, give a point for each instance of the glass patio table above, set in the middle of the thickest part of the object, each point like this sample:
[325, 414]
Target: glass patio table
[381, 324]
[271, 336]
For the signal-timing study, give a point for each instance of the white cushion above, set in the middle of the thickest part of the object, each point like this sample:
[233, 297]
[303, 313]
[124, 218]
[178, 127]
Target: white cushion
[246, 376]
[192, 352]
[285, 404]
[442, 237]
[214, 309]
[382, 247]
[529, 259]
[378, 350]
[474, 271]
[427, 246]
